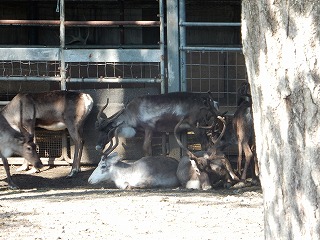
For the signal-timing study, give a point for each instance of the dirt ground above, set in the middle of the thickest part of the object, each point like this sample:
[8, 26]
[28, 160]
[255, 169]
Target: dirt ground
[49, 206]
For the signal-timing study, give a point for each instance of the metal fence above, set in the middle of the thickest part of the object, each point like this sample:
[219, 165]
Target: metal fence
[221, 72]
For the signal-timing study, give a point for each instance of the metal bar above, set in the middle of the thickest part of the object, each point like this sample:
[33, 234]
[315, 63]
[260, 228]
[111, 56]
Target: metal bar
[183, 43]
[116, 80]
[29, 54]
[27, 78]
[219, 49]
[173, 45]
[113, 55]
[62, 46]
[3, 103]
[161, 44]
[210, 24]
[104, 80]
[81, 55]
[56, 23]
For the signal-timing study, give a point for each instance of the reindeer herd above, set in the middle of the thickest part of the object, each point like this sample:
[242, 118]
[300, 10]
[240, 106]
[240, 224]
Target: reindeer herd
[171, 112]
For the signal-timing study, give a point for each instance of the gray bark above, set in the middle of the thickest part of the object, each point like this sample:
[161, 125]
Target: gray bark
[281, 44]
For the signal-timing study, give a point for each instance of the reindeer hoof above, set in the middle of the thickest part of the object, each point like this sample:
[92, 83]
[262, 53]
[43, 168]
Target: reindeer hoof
[73, 173]
[33, 170]
[241, 184]
[12, 186]
[24, 167]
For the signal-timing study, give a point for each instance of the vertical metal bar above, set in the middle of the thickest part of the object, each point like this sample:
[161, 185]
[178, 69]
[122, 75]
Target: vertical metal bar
[161, 29]
[63, 74]
[173, 45]
[182, 30]
[62, 46]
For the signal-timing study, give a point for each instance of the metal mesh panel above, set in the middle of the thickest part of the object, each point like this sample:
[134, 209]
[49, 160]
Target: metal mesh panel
[49, 143]
[219, 72]
[29, 69]
[113, 70]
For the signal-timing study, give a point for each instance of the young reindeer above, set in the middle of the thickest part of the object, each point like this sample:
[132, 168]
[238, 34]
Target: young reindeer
[16, 142]
[204, 169]
[54, 110]
[158, 113]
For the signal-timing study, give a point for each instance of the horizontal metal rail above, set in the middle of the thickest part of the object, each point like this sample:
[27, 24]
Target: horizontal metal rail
[81, 55]
[88, 80]
[210, 24]
[27, 78]
[56, 23]
[219, 49]
[115, 80]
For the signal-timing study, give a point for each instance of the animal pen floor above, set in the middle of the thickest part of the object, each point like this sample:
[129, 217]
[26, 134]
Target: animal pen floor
[49, 206]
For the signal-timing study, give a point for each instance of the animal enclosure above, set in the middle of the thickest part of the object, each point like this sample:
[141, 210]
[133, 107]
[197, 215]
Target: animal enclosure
[118, 50]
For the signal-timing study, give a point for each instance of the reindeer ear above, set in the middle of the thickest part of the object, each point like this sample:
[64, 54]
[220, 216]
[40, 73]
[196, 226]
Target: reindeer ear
[19, 139]
[113, 158]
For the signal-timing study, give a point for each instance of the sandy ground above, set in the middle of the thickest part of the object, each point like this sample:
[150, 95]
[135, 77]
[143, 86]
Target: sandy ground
[49, 206]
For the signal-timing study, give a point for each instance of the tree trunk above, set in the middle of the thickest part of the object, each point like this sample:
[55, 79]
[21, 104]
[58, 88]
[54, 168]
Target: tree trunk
[281, 44]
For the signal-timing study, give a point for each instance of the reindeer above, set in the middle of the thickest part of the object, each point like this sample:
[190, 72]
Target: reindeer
[147, 172]
[54, 110]
[16, 142]
[244, 129]
[158, 113]
[204, 169]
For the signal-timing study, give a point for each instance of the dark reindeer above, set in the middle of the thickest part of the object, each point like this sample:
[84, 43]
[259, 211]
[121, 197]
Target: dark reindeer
[158, 113]
[54, 110]
[16, 142]
[244, 129]
[204, 169]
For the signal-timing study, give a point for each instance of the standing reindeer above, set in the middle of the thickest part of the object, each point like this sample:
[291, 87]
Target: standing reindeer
[158, 113]
[244, 129]
[54, 110]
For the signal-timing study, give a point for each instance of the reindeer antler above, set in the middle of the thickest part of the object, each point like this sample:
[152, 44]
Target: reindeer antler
[111, 146]
[222, 132]
[110, 119]
[190, 154]
[101, 110]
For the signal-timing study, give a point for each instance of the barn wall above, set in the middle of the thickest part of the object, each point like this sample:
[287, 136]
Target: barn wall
[219, 72]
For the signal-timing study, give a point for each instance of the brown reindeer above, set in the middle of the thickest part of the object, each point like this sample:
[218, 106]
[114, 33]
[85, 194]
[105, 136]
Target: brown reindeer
[54, 110]
[244, 129]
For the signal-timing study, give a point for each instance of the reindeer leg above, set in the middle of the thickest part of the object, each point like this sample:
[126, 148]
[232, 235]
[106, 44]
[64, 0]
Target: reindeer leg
[239, 157]
[76, 135]
[248, 155]
[24, 166]
[147, 146]
[228, 166]
[11, 184]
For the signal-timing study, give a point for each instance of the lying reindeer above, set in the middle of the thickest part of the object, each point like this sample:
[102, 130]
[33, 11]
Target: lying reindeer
[54, 110]
[147, 172]
[204, 169]
[16, 142]
[158, 113]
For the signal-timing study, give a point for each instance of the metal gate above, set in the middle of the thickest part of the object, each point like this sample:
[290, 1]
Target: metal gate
[77, 66]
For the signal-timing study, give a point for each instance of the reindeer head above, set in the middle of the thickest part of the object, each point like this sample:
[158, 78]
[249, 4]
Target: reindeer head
[106, 127]
[26, 140]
